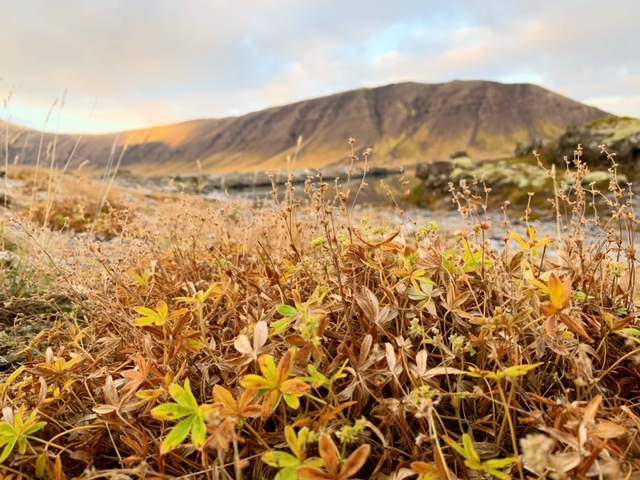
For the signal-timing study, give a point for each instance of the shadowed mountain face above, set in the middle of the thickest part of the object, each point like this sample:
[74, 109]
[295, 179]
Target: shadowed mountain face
[403, 123]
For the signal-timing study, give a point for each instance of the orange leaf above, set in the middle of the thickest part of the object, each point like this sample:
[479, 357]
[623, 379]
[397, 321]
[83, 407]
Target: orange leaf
[574, 326]
[283, 366]
[329, 454]
[312, 473]
[556, 291]
[355, 461]
[224, 396]
[548, 309]
[294, 386]
[269, 403]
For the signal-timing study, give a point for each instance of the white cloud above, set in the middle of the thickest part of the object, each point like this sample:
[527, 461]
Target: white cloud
[159, 61]
[624, 106]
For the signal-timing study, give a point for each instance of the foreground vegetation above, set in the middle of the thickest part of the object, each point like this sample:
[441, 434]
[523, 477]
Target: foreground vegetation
[201, 340]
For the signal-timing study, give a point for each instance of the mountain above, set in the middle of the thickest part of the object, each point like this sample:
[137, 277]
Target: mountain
[404, 123]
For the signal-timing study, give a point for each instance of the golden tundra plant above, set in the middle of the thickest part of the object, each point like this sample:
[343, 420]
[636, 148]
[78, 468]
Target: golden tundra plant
[295, 341]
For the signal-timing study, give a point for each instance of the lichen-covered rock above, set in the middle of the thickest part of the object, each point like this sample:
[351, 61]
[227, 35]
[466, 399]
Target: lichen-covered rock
[435, 175]
[526, 149]
[8, 258]
[621, 135]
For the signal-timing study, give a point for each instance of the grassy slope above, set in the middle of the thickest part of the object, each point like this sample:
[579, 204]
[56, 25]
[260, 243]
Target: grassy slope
[404, 124]
[429, 354]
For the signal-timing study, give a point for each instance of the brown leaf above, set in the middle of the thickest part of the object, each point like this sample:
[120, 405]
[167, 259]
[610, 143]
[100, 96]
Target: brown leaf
[110, 391]
[591, 411]
[442, 371]
[547, 309]
[105, 409]
[574, 326]
[368, 302]
[550, 325]
[312, 473]
[355, 461]
[606, 430]
[622, 323]
[329, 454]
[243, 345]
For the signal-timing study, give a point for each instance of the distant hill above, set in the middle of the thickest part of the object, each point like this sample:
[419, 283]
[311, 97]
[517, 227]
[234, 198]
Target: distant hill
[404, 123]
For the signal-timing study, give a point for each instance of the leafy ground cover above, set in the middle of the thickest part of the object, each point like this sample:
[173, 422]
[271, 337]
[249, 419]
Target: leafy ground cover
[216, 340]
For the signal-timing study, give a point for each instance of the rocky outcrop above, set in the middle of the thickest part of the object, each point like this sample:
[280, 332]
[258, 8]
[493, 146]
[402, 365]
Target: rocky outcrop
[619, 134]
[509, 179]
[436, 175]
[527, 149]
[503, 174]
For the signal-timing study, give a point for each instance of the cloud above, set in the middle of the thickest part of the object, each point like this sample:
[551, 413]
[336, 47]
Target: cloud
[159, 61]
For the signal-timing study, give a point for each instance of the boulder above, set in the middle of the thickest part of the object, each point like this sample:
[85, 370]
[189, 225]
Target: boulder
[526, 149]
[8, 258]
[435, 175]
[621, 135]
[458, 154]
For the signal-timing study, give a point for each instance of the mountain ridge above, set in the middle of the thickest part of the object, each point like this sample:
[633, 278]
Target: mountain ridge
[404, 123]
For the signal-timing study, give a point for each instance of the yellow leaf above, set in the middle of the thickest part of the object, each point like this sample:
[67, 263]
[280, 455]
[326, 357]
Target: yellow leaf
[519, 370]
[556, 291]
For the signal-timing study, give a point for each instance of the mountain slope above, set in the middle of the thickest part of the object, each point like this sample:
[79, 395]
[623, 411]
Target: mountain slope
[404, 123]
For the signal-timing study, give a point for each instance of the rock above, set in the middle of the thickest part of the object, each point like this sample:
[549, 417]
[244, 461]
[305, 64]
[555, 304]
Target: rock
[526, 149]
[621, 135]
[4, 364]
[435, 175]
[8, 258]
[458, 154]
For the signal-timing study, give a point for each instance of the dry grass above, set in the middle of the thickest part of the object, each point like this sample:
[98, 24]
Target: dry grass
[221, 341]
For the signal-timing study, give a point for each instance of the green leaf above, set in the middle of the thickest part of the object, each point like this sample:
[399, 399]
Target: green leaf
[177, 434]
[281, 325]
[256, 382]
[171, 411]
[453, 444]
[22, 444]
[268, 367]
[469, 448]
[277, 458]
[292, 400]
[146, 311]
[34, 428]
[198, 432]
[183, 395]
[6, 431]
[629, 332]
[500, 462]
[289, 473]
[8, 448]
[286, 310]
[41, 465]
[292, 441]
[315, 378]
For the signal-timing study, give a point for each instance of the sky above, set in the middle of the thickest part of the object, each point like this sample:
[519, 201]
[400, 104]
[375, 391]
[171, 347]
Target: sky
[90, 66]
